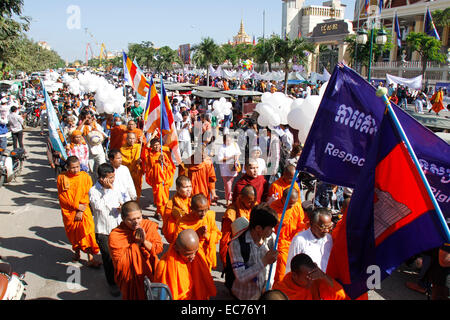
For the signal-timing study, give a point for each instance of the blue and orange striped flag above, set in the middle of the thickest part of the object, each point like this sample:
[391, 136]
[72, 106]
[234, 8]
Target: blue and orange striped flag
[158, 115]
[135, 76]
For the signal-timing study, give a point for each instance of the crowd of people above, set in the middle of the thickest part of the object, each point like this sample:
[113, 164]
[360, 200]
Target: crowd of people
[100, 185]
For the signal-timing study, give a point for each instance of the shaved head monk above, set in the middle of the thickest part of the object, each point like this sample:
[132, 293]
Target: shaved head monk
[159, 173]
[184, 270]
[251, 177]
[240, 208]
[73, 193]
[134, 246]
[203, 221]
[177, 207]
[294, 221]
[131, 158]
[202, 174]
[307, 282]
[284, 182]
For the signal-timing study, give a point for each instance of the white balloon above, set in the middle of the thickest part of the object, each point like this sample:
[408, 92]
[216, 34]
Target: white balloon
[263, 121]
[275, 120]
[265, 96]
[295, 118]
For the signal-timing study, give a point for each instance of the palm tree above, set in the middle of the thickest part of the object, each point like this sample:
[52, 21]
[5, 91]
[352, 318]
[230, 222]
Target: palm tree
[265, 51]
[205, 53]
[287, 49]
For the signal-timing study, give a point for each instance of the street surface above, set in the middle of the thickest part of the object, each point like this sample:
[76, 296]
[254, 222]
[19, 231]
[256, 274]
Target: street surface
[33, 240]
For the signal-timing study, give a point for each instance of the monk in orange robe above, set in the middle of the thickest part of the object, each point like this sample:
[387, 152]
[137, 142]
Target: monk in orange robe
[438, 99]
[73, 193]
[240, 208]
[134, 246]
[177, 207]
[132, 127]
[159, 172]
[184, 269]
[294, 221]
[203, 221]
[202, 174]
[284, 182]
[307, 282]
[117, 135]
[131, 158]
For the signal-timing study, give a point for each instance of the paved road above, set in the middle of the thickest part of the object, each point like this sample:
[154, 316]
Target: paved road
[33, 240]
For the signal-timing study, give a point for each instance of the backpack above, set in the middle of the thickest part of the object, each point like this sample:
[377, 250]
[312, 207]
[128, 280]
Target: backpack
[228, 270]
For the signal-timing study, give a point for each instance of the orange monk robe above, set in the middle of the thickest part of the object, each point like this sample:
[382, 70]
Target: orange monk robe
[176, 208]
[138, 132]
[186, 280]
[234, 211]
[294, 221]
[133, 262]
[438, 99]
[160, 178]
[116, 137]
[276, 188]
[319, 290]
[73, 190]
[208, 243]
[202, 176]
[130, 157]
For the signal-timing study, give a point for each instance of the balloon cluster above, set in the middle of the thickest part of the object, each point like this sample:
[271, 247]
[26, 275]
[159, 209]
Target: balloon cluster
[72, 83]
[221, 108]
[277, 108]
[273, 109]
[108, 98]
[247, 64]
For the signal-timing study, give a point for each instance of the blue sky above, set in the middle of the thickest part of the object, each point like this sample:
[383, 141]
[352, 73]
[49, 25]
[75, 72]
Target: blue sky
[175, 22]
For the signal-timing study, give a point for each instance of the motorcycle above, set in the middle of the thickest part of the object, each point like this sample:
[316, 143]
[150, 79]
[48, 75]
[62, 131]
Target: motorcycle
[11, 164]
[308, 184]
[12, 285]
[32, 117]
[156, 291]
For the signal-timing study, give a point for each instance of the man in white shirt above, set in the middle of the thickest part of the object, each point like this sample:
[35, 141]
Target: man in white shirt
[123, 181]
[316, 241]
[106, 202]
[184, 135]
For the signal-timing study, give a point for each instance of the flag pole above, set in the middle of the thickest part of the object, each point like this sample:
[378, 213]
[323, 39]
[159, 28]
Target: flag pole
[382, 93]
[281, 223]
[162, 89]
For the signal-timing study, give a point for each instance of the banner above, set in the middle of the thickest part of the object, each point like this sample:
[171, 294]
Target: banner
[53, 126]
[185, 53]
[344, 128]
[413, 83]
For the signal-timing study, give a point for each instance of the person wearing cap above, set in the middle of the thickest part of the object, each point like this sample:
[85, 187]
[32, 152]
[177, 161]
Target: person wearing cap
[294, 221]
[183, 268]
[251, 276]
[241, 208]
[203, 221]
[79, 148]
[177, 207]
[131, 158]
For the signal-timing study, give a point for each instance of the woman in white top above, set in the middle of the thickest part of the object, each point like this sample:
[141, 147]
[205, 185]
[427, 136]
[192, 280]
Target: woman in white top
[228, 157]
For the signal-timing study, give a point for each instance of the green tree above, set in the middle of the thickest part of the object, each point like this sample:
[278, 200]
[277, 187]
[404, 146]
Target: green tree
[230, 54]
[245, 51]
[287, 49]
[265, 51]
[12, 25]
[143, 52]
[166, 58]
[205, 53]
[441, 17]
[427, 47]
